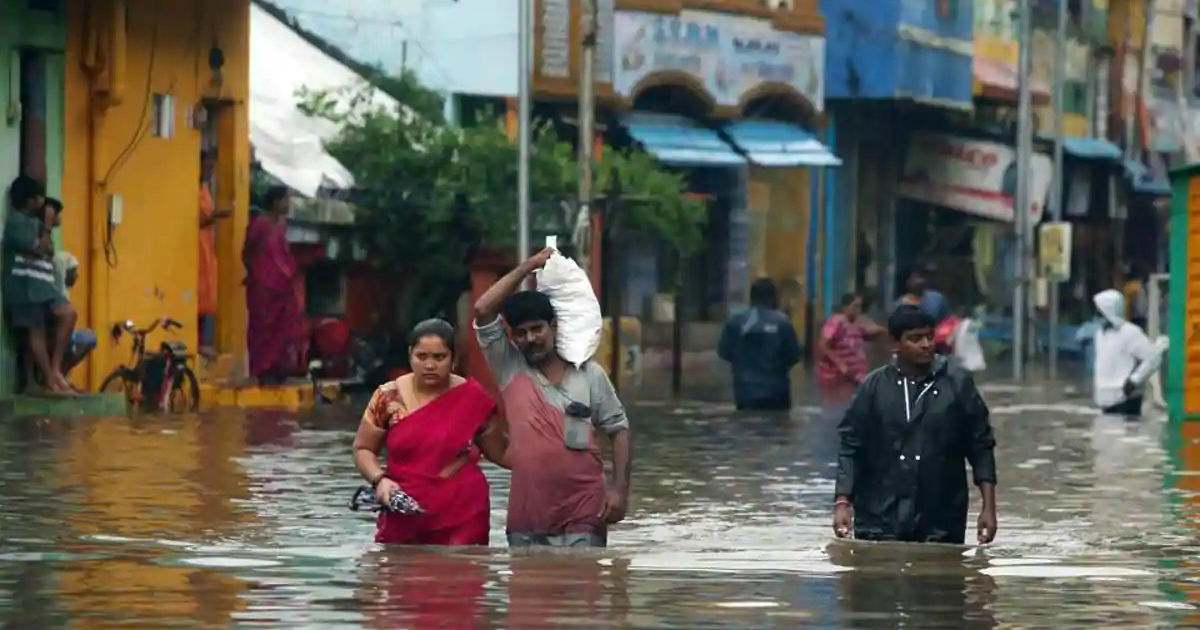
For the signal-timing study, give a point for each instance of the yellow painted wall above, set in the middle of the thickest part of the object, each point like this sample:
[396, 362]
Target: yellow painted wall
[779, 197]
[109, 150]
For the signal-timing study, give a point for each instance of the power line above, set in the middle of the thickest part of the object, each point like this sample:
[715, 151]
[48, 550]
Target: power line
[357, 19]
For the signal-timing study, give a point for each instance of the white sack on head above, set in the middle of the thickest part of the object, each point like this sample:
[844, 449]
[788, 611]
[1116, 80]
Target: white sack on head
[576, 309]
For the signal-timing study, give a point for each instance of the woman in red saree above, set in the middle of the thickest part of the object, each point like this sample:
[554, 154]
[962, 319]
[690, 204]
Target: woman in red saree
[434, 424]
[274, 335]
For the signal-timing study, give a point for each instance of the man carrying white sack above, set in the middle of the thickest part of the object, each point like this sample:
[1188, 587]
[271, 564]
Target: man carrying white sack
[558, 496]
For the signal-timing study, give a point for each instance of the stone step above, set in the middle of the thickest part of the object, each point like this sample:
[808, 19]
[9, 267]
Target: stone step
[289, 396]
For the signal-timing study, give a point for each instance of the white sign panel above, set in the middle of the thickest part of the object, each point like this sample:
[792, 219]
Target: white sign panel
[729, 55]
[974, 176]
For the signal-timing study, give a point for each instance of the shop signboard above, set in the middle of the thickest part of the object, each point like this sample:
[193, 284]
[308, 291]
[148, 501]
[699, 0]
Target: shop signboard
[974, 176]
[729, 55]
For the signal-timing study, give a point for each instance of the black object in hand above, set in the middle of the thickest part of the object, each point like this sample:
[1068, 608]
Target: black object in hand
[399, 502]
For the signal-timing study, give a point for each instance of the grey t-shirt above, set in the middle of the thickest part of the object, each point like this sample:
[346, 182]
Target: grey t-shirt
[588, 385]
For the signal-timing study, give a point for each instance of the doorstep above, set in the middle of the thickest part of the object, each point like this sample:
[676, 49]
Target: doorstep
[67, 407]
[290, 396]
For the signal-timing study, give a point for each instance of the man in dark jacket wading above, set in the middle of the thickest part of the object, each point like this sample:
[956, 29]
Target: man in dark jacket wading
[904, 439]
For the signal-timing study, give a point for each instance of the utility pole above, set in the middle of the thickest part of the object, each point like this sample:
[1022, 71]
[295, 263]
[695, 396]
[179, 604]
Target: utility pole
[524, 113]
[1138, 102]
[1056, 191]
[1021, 202]
[587, 125]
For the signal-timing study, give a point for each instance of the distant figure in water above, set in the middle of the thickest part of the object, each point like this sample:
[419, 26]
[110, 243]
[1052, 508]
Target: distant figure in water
[435, 425]
[1125, 358]
[917, 293]
[760, 345]
[904, 440]
[275, 331]
[841, 349]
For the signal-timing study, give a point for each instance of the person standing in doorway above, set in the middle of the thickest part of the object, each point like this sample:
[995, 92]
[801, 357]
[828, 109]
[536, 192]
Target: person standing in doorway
[274, 335]
[1125, 358]
[558, 496]
[917, 293]
[206, 282]
[760, 345]
[904, 439]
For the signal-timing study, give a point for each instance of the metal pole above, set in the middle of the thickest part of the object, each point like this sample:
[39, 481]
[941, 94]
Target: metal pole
[1021, 205]
[587, 126]
[1056, 192]
[524, 112]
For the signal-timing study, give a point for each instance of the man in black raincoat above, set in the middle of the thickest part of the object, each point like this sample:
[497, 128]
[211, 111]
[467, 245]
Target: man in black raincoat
[760, 345]
[904, 439]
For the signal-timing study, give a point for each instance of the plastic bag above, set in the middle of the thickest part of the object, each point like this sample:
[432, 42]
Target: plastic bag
[576, 308]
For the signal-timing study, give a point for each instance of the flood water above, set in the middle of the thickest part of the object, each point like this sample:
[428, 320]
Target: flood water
[238, 520]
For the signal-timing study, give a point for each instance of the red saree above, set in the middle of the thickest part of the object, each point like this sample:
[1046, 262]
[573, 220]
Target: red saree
[420, 446]
[275, 327]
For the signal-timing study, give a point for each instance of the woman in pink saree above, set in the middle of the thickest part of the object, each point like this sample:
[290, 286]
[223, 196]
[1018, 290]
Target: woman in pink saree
[274, 335]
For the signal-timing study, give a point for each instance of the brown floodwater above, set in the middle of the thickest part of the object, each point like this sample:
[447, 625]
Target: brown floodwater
[239, 520]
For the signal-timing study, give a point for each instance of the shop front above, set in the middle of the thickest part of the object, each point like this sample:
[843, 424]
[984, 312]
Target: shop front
[732, 100]
[956, 215]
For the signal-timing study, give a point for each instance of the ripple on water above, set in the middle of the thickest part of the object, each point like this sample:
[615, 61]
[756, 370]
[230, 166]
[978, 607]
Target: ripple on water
[1056, 571]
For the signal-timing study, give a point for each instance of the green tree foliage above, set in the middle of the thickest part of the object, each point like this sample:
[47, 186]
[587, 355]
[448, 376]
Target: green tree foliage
[431, 194]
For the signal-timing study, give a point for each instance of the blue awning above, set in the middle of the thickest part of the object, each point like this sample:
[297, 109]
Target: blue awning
[1142, 180]
[678, 141]
[1092, 148]
[769, 143]
[1087, 148]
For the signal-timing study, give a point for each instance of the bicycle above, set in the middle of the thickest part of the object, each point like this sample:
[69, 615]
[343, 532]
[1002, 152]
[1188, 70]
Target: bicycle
[165, 374]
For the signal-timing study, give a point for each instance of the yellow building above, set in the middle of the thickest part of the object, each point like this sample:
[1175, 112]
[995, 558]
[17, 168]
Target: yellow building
[147, 85]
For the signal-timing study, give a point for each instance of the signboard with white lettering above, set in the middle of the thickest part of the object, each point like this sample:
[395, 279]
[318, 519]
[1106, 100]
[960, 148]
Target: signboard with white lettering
[729, 55]
[974, 176]
[555, 57]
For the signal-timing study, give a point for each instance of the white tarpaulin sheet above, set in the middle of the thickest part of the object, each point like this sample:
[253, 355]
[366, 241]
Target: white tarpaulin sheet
[286, 142]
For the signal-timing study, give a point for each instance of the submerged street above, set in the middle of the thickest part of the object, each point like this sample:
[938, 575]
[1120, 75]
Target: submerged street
[239, 520]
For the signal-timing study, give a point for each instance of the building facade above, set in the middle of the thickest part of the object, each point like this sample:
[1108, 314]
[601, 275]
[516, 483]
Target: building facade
[117, 98]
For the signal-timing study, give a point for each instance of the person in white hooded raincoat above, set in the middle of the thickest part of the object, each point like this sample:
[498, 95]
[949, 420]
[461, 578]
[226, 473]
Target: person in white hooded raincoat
[1125, 358]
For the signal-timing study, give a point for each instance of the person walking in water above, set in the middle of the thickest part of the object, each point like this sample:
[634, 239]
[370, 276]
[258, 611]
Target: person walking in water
[1125, 358]
[841, 350]
[760, 346]
[558, 496]
[904, 439]
[434, 425]
[918, 293]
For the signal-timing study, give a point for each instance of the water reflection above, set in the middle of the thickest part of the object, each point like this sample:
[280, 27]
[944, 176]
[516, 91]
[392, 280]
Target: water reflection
[895, 585]
[239, 520]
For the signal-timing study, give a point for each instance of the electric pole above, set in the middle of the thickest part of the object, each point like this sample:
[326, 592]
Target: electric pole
[1021, 202]
[1056, 191]
[524, 113]
[587, 124]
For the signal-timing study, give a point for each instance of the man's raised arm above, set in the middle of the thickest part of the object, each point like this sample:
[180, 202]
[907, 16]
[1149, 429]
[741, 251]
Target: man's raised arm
[487, 307]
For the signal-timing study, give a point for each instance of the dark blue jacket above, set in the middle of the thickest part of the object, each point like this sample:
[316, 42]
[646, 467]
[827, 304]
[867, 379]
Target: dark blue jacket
[761, 346]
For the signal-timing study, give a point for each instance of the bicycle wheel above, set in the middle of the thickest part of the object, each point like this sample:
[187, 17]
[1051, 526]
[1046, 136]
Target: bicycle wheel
[122, 381]
[185, 392]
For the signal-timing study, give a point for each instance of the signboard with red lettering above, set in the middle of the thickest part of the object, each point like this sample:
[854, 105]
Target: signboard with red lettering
[974, 176]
